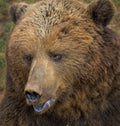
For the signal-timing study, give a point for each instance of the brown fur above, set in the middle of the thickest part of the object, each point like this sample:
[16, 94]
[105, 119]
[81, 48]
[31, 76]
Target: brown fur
[86, 80]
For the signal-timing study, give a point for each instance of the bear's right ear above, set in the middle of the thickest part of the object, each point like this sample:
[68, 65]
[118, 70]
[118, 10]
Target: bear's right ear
[101, 11]
[17, 10]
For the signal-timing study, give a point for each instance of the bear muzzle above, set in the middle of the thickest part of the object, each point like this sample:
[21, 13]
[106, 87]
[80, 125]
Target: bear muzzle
[40, 101]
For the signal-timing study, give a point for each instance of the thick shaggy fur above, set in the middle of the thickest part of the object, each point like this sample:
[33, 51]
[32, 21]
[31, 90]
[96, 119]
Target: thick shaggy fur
[64, 50]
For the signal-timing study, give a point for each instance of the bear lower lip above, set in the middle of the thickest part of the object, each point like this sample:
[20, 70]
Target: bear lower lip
[42, 107]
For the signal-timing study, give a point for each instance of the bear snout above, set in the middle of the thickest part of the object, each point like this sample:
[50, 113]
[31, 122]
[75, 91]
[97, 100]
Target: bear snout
[37, 97]
[32, 93]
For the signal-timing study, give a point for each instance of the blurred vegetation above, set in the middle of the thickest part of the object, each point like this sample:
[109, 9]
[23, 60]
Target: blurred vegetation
[6, 27]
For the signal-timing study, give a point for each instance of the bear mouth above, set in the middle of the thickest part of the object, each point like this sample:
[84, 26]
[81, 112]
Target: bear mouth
[44, 106]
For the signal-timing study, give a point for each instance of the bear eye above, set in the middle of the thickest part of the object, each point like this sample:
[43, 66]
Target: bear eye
[28, 58]
[55, 57]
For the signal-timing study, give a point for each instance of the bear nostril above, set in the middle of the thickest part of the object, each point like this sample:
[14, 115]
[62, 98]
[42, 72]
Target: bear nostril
[32, 96]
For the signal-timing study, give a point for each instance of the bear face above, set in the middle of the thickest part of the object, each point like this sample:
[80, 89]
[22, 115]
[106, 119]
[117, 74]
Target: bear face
[62, 57]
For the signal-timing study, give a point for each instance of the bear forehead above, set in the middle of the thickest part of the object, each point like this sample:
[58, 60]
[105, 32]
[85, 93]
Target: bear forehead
[45, 15]
[53, 23]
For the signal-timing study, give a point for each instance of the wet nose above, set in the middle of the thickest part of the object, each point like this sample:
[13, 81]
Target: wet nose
[32, 96]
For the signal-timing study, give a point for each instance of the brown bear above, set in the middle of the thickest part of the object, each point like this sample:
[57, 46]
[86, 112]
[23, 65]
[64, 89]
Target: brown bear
[63, 65]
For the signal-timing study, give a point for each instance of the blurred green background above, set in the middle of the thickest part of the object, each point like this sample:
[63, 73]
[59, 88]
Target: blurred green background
[6, 26]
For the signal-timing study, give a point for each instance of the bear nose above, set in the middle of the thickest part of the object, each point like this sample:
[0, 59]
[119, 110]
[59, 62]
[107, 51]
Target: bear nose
[32, 96]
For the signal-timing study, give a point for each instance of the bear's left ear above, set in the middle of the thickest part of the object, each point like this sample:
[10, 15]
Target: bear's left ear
[17, 10]
[101, 11]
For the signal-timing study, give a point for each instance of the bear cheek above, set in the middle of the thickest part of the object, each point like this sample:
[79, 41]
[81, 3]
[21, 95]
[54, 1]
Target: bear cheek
[17, 70]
